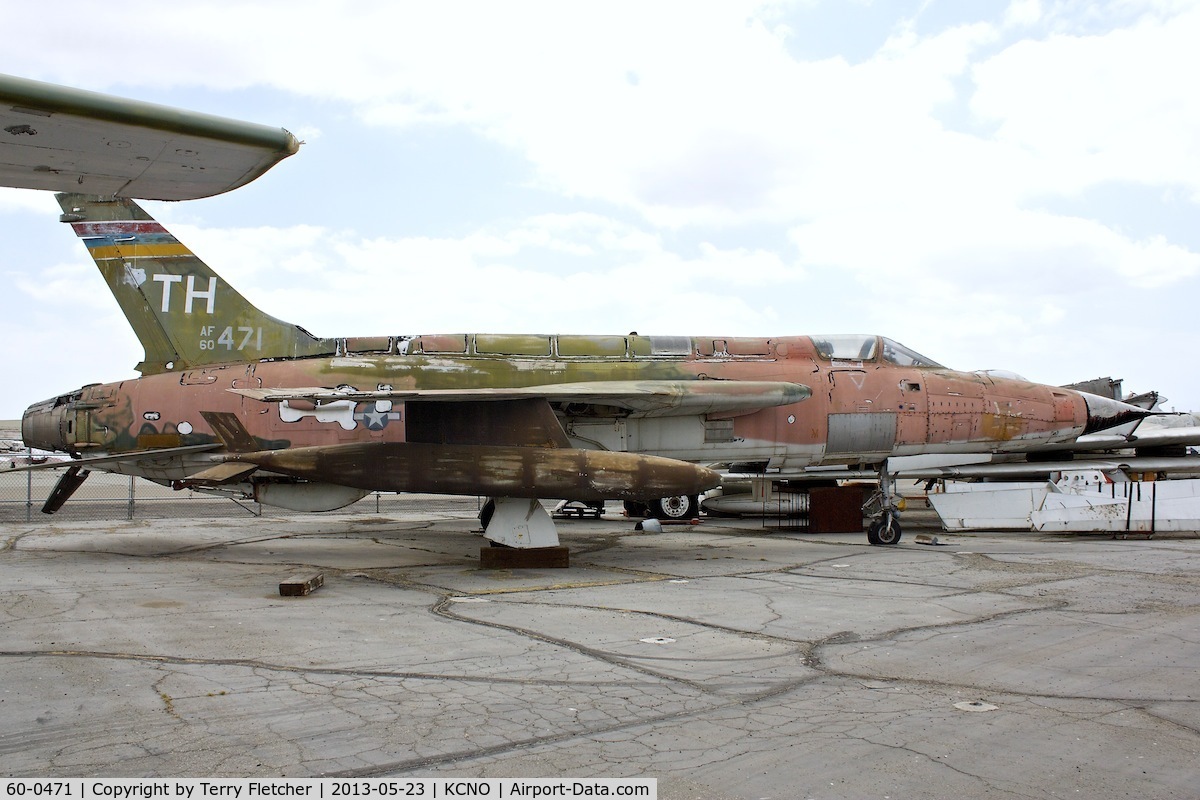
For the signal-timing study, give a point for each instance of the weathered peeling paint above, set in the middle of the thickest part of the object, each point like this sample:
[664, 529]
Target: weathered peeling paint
[961, 413]
[592, 346]
[526, 415]
[501, 471]
[505, 344]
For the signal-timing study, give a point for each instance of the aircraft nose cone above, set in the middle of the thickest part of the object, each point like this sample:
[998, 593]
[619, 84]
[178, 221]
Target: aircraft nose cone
[1105, 413]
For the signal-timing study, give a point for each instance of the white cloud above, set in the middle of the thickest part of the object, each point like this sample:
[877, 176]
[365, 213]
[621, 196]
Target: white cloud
[552, 273]
[688, 172]
[12, 200]
[1023, 13]
[1094, 108]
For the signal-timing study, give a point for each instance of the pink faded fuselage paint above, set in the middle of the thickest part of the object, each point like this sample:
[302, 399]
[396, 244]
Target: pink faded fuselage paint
[226, 388]
[861, 410]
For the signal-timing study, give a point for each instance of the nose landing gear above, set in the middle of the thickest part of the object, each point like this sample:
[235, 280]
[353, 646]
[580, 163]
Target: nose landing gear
[885, 530]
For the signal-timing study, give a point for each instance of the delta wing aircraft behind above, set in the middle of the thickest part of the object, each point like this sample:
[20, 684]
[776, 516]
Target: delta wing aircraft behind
[235, 401]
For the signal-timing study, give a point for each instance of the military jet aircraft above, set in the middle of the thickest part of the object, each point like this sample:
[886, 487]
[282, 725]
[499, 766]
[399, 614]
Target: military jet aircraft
[233, 400]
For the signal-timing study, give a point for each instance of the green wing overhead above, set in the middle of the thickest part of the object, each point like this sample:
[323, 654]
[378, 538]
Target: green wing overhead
[183, 313]
[69, 140]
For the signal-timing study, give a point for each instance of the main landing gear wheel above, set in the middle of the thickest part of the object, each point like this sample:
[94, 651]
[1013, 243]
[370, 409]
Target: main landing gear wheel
[884, 531]
[683, 506]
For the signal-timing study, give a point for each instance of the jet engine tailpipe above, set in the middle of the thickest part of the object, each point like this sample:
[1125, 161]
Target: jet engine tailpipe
[50, 424]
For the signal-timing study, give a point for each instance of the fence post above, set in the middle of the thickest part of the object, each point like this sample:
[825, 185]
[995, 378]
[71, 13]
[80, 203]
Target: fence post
[29, 488]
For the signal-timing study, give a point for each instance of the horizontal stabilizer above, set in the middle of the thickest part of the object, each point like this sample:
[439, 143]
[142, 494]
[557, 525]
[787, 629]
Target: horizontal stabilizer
[122, 458]
[67, 483]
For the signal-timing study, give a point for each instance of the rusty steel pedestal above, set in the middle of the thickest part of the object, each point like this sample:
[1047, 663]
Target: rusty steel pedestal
[524, 557]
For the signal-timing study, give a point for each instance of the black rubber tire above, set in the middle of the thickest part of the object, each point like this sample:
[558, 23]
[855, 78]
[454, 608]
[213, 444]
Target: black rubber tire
[683, 506]
[889, 532]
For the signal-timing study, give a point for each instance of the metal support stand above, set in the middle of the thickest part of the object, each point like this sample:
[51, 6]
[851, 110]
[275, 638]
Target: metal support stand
[522, 535]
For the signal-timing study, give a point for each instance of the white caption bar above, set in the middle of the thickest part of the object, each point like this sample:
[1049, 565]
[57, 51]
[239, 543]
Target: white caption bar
[325, 788]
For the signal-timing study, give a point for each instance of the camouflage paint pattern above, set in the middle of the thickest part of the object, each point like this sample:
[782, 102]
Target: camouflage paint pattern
[209, 351]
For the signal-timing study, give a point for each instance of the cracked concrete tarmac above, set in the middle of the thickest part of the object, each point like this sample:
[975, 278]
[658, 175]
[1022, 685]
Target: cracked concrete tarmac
[725, 660]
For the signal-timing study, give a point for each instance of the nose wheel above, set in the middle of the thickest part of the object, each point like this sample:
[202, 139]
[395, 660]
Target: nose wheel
[885, 529]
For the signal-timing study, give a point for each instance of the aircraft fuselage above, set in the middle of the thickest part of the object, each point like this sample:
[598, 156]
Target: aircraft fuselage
[861, 410]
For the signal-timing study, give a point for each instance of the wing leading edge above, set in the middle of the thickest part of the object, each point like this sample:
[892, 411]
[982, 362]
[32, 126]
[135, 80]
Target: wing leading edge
[69, 140]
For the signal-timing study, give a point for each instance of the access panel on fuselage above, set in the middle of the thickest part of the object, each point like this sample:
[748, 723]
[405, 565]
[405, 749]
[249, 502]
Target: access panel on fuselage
[955, 407]
[873, 409]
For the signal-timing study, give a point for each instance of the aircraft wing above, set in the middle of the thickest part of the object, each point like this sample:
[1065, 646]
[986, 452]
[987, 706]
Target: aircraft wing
[70, 140]
[640, 398]
[982, 467]
[1180, 465]
[1145, 437]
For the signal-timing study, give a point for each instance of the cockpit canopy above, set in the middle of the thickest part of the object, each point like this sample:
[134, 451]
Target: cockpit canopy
[861, 347]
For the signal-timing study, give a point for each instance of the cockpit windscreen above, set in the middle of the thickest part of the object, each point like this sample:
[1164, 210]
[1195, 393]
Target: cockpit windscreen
[861, 347]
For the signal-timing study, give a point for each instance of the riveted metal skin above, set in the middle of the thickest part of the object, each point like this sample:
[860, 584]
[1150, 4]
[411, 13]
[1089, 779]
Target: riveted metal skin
[528, 415]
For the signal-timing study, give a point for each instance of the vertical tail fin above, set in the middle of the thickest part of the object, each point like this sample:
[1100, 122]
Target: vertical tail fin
[184, 314]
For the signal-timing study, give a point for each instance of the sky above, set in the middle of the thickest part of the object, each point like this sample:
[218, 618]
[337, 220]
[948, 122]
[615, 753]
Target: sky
[1001, 184]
